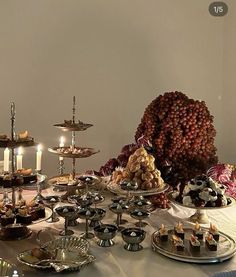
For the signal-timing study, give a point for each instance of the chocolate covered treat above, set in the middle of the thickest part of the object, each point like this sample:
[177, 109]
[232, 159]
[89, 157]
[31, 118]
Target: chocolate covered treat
[7, 218]
[214, 232]
[179, 231]
[23, 217]
[197, 231]
[178, 243]
[211, 243]
[163, 233]
[194, 244]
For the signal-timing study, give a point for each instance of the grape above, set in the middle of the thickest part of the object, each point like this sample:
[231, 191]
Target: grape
[182, 134]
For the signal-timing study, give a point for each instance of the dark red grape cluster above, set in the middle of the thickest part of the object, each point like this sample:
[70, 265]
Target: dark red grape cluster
[182, 134]
[160, 200]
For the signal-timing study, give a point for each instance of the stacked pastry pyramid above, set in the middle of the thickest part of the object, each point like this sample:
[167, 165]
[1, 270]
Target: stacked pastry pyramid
[140, 169]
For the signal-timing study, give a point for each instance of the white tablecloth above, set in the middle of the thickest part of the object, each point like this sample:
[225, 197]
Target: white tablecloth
[115, 261]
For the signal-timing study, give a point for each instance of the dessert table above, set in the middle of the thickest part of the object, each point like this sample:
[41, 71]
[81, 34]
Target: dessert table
[115, 260]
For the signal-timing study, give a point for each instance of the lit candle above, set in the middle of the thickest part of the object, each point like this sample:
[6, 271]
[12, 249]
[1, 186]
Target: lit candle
[39, 158]
[6, 160]
[61, 144]
[19, 158]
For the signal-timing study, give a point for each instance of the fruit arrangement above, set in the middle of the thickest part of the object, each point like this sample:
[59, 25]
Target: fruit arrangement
[226, 175]
[140, 169]
[182, 134]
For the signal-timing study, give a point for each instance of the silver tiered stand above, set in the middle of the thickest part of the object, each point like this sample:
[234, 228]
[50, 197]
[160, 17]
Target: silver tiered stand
[73, 127]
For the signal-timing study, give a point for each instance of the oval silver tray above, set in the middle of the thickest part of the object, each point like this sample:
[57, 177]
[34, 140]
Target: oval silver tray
[53, 181]
[226, 249]
[115, 188]
[76, 126]
[83, 154]
[70, 254]
[201, 208]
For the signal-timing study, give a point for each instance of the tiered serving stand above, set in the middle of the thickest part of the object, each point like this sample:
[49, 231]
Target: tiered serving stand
[72, 152]
[12, 144]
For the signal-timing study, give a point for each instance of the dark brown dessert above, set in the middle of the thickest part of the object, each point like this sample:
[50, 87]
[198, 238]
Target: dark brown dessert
[197, 231]
[194, 244]
[163, 233]
[211, 243]
[179, 230]
[178, 243]
[7, 218]
[214, 232]
[23, 217]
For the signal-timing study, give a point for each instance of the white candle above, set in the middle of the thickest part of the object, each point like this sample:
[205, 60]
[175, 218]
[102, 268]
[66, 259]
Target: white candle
[19, 158]
[61, 144]
[6, 160]
[39, 158]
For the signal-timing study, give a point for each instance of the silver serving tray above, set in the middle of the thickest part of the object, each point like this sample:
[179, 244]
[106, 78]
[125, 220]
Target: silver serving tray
[226, 249]
[115, 188]
[7, 269]
[82, 154]
[70, 254]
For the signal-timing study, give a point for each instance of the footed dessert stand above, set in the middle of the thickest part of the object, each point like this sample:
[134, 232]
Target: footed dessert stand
[200, 215]
[73, 152]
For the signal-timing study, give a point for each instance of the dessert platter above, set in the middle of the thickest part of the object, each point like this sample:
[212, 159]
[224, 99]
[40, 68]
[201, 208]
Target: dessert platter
[193, 245]
[140, 175]
[202, 193]
[63, 254]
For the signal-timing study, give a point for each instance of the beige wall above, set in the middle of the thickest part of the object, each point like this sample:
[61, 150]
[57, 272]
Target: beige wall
[115, 56]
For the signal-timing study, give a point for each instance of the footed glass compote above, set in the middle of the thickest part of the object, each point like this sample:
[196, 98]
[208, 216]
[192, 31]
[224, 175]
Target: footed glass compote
[96, 220]
[66, 212]
[141, 203]
[87, 213]
[133, 237]
[105, 233]
[81, 200]
[128, 186]
[140, 215]
[119, 209]
[51, 201]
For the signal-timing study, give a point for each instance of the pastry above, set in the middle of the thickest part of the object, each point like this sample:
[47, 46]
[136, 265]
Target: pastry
[211, 243]
[178, 243]
[140, 169]
[194, 243]
[7, 218]
[163, 233]
[214, 232]
[23, 135]
[197, 231]
[23, 217]
[179, 231]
